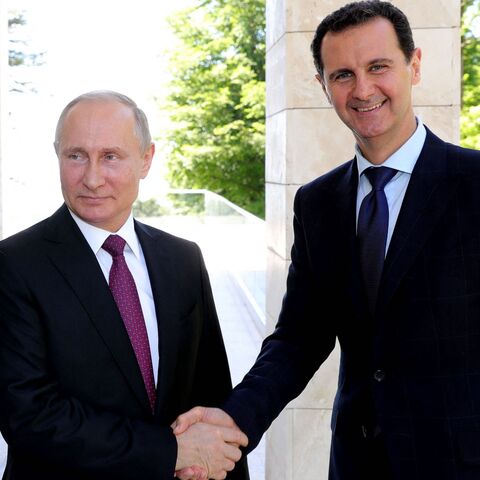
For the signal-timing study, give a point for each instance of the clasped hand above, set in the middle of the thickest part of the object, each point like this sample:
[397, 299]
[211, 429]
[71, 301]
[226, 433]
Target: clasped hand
[209, 444]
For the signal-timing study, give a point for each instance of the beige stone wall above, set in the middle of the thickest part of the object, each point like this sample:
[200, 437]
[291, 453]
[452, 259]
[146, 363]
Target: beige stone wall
[306, 139]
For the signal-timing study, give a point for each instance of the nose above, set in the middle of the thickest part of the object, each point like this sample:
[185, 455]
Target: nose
[93, 177]
[363, 88]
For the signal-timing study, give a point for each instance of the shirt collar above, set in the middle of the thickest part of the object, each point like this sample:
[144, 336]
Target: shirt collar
[96, 236]
[404, 159]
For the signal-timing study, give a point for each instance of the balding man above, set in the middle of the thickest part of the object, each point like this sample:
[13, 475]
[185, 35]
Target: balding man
[108, 328]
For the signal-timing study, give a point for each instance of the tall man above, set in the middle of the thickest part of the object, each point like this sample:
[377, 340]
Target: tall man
[392, 272]
[108, 328]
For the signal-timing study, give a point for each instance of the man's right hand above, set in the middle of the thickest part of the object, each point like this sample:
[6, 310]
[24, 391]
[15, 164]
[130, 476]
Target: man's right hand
[213, 448]
[213, 416]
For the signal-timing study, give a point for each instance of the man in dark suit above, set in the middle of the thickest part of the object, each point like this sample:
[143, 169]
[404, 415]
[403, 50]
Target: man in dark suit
[392, 272]
[108, 328]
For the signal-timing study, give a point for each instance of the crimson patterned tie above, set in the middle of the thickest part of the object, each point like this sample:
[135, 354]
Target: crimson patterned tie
[125, 293]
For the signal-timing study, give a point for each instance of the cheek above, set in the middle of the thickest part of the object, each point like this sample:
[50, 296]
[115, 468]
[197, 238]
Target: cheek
[396, 87]
[124, 180]
[340, 106]
[400, 94]
[338, 99]
[69, 177]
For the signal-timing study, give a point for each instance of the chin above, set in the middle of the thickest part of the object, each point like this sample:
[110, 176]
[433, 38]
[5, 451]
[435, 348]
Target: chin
[369, 133]
[90, 217]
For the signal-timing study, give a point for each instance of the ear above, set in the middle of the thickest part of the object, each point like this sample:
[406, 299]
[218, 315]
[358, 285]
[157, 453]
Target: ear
[416, 63]
[147, 160]
[324, 88]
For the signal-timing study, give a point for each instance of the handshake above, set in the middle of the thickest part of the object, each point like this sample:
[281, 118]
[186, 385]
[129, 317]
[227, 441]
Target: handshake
[208, 442]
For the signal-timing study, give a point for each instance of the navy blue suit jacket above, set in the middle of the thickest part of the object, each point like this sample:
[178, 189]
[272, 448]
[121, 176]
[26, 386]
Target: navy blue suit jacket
[413, 369]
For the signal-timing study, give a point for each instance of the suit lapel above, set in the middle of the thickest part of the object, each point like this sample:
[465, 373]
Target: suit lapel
[74, 259]
[427, 196]
[162, 274]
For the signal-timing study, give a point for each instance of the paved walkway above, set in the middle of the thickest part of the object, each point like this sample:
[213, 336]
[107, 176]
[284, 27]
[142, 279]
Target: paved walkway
[242, 341]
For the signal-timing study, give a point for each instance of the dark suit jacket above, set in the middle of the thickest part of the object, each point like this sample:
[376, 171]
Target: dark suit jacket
[72, 401]
[413, 369]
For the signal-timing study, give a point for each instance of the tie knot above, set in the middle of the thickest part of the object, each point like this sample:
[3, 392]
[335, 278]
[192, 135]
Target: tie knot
[380, 176]
[114, 245]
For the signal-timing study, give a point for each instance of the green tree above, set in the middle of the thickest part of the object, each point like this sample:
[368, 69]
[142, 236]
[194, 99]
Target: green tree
[20, 54]
[217, 101]
[16, 56]
[470, 118]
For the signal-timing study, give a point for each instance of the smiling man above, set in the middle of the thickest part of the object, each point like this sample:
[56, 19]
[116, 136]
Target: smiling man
[108, 328]
[386, 261]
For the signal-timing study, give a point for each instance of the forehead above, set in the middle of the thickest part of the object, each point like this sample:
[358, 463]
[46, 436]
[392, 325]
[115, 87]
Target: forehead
[99, 122]
[360, 44]
[99, 110]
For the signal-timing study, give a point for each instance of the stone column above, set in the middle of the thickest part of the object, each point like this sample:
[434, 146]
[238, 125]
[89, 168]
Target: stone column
[304, 140]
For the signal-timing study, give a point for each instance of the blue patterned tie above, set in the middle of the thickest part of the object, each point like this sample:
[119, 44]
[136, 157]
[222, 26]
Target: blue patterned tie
[125, 293]
[372, 231]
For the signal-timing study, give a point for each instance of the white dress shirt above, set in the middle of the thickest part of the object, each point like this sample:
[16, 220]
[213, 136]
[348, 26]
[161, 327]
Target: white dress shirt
[403, 160]
[136, 263]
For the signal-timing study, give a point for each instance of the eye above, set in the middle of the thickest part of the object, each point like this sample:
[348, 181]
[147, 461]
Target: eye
[75, 156]
[342, 76]
[111, 156]
[378, 68]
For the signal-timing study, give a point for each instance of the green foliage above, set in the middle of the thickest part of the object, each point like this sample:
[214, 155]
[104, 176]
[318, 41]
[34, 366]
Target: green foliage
[470, 118]
[189, 204]
[217, 101]
[171, 204]
[19, 52]
[147, 208]
[15, 56]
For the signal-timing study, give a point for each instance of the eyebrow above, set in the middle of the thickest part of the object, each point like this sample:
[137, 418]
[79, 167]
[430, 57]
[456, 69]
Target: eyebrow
[66, 151]
[381, 60]
[82, 150]
[389, 61]
[112, 149]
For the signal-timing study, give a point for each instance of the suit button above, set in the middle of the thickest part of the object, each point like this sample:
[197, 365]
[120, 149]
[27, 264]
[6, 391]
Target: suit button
[379, 375]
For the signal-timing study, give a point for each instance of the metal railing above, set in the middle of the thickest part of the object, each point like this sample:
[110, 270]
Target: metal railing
[230, 238]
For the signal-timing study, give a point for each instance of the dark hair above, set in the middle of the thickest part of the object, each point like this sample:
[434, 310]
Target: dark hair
[356, 13]
[141, 123]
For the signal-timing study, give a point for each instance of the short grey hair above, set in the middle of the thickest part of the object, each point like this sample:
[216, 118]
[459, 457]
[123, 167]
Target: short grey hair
[142, 129]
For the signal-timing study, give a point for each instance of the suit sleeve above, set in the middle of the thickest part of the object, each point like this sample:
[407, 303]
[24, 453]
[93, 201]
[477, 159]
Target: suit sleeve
[41, 422]
[290, 356]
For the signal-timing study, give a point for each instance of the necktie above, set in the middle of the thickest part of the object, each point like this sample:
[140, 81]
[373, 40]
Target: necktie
[372, 231]
[125, 293]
